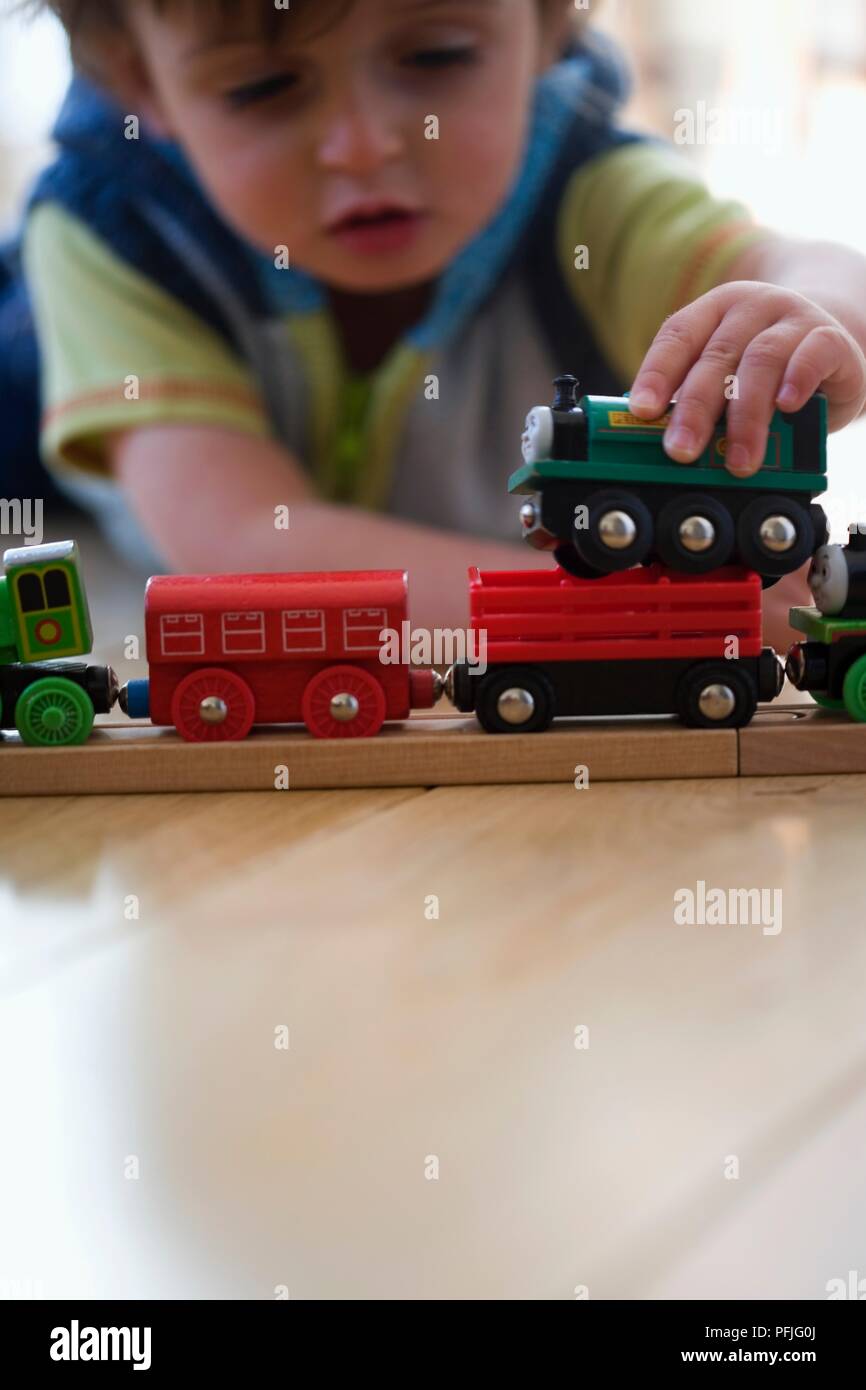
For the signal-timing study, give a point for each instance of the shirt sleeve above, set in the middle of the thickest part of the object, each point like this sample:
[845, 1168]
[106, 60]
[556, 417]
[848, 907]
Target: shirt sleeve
[118, 352]
[638, 236]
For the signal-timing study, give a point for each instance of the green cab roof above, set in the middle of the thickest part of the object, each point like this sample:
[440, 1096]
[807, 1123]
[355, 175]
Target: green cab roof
[822, 628]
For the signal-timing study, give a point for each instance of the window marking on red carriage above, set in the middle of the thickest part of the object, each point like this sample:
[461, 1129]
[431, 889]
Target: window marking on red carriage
[361, 628]
[243, 634]
[181, 634]
[304, 630]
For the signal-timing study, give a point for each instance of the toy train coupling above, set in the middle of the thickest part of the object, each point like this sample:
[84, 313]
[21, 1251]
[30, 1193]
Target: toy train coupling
[134, 699]
[807, 666]
[112, 694]
[439, 687]
[425, 687]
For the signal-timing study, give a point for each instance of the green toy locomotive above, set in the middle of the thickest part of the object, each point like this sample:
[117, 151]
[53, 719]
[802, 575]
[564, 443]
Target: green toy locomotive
[44, 616]
[831, 663]
[605, 495]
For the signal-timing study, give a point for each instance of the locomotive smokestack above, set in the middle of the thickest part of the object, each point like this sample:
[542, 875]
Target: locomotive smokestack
[566, 392]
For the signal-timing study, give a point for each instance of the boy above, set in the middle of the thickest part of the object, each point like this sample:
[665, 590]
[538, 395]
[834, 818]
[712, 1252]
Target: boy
[335, 264]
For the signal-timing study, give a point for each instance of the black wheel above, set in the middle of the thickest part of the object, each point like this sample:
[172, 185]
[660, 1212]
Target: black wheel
[618, 533]
[694, 533]
[518, 700]
[775, 536]
[716, 695]
[819, 521]
[568, 559]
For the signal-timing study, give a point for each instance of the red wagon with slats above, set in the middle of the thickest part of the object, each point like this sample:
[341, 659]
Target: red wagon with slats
[645, 641]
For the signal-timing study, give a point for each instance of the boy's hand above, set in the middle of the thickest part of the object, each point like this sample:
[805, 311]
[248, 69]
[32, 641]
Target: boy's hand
[781, 347]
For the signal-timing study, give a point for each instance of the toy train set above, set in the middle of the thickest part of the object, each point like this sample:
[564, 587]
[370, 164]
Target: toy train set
[654, 608]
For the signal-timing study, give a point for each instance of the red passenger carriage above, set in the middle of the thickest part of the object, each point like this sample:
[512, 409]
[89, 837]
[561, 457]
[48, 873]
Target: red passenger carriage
[230, 651]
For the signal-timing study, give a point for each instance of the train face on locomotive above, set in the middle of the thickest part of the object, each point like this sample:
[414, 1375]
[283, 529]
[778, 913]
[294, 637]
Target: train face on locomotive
[44, 617]
[604, 495]
[831, 663]
[837, 577]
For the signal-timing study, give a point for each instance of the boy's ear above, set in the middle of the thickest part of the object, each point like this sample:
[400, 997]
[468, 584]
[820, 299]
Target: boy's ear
[118, 67]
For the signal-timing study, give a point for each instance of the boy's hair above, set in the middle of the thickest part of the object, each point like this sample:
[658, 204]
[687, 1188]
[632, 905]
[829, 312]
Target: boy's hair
[89, 23]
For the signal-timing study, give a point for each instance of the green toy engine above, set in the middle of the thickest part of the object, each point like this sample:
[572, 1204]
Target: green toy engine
[604, 495]
[44, 616]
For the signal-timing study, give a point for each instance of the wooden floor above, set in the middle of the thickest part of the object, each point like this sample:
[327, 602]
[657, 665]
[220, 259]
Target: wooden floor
[432, 1130]
[153, 947]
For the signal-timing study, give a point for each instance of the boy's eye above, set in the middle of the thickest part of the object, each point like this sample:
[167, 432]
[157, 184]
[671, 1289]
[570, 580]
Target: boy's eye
[433, 58]
[428, 59]
[253, 92]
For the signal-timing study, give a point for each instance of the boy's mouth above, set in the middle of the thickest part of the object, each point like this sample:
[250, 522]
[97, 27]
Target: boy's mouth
[376, 227]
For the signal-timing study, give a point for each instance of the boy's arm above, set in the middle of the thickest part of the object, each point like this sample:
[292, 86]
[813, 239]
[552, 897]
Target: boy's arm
[208, 497]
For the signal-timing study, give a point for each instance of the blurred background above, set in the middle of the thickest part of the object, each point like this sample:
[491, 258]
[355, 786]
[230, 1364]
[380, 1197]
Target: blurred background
[767, 99]
[34, 71]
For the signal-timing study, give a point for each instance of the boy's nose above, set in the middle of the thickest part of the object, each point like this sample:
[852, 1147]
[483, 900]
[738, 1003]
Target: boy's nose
[359, 135]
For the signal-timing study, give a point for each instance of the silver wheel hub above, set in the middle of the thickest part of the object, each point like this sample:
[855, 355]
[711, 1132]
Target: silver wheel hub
[344, 707]
[617, 530]
[528, 515]
[515, 705]
[213, 710]
[778, 534]
[697, 534]
[717, 701]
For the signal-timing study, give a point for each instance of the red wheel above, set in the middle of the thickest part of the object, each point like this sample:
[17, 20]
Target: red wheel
[213, 706]
[343, 702]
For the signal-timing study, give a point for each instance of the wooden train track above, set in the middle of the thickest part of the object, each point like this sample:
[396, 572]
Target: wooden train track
[124, 758]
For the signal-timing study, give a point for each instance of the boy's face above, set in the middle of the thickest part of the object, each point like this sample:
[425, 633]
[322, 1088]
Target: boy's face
[291, 135]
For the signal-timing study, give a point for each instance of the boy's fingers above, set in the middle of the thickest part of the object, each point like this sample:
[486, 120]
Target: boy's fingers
[676, 346]
[823, 353]
[701, 397]
[751, 408]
